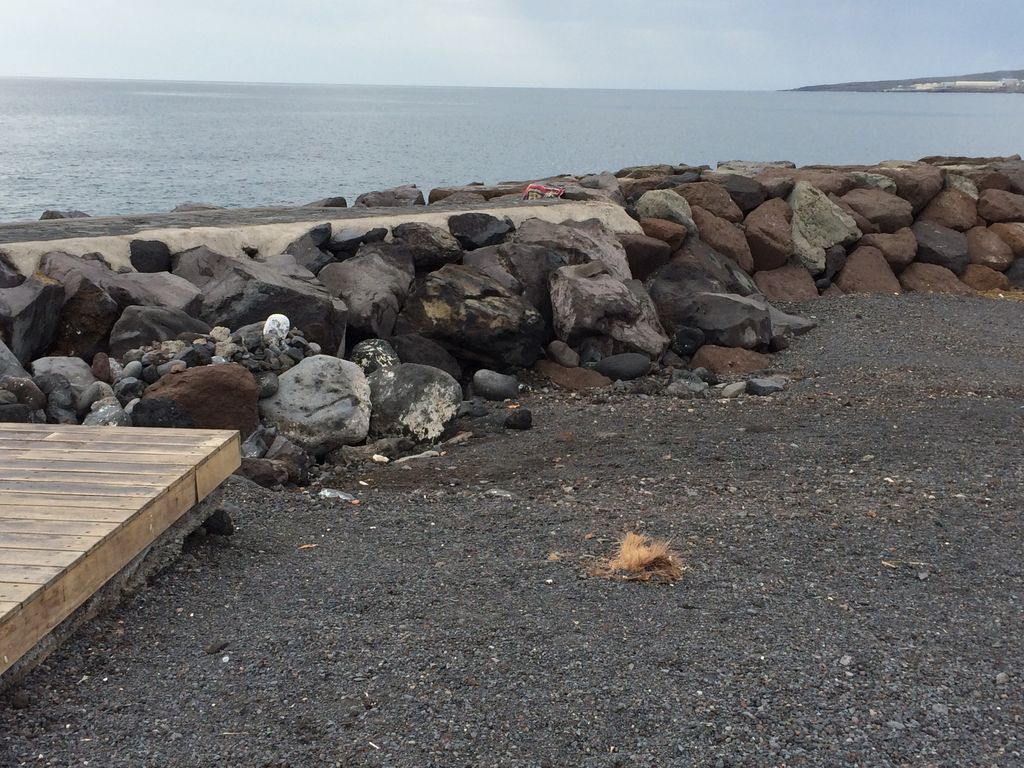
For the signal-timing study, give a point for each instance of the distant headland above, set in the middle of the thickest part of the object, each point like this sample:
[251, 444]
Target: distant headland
[1005, 81]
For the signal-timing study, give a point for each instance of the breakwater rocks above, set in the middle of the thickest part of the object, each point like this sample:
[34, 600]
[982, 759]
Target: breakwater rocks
[366, 342]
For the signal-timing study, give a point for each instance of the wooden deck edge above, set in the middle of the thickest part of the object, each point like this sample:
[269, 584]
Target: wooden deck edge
[129, 579]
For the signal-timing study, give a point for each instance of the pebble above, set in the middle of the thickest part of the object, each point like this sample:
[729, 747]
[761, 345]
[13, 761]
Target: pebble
[734, 390]
[1002, 678]
[132, 370]
[762, 387]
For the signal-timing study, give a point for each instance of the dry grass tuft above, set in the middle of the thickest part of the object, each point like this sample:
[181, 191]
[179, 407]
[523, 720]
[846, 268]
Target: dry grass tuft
[1013, 295]
[641, 558]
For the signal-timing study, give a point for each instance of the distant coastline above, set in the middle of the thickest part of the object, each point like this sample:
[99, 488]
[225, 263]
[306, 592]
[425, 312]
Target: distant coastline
[1003, 81]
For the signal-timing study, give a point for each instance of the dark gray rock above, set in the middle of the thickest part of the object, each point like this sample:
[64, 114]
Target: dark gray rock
[941, 245]
[141, 326]
[396, 197]
[161, 412]
[413, 348]
[730, 320]
[15, 413]
[430, 247]
[51, 214]
[624, 367]
[86, 319]
[266, 383]
[9, 276]
[1015, 274]
[77, 372]
[9, 363]
[107, 412]
[374, 354]
[686, 341]
[686, 384]
[492, 385]
[128, 389]
[309, 250]
[346, 242]
[765, 386]
[563, 354]
[150, 256]
[374, 285]
[29, 314]
[60, 399]
[328, 202]
[413, 401]
[479, 230]
[519, 419]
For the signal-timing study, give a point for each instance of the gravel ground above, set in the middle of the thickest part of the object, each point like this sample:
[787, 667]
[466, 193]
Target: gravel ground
[852, 594]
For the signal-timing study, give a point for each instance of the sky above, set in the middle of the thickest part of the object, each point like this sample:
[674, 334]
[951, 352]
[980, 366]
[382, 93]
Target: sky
[675, 44]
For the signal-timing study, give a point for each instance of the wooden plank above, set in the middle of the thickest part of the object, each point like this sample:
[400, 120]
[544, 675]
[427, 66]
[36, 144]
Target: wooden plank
[51, 500]
[64, 527]
[212, 471]
[176, 460]
[49, 541]
[104, 466]
[55, 474]
[61, 512]
[29, 574]
[38, 616]
[59, 557]
[11, 592]
[59, 488]
[6, 608]
[74, 428]
[101, 446]
[114, 435]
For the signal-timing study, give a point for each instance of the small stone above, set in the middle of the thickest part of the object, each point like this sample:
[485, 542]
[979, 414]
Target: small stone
[519, 419]
[132, 370]
[762, 387]
[276, 328]
[734, 390]
[846, 660]
[563, 354]
[492, 385]
[624, 367]
[1002, 678]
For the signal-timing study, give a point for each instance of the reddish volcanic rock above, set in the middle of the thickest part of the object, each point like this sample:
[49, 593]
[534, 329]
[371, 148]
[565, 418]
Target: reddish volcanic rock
[899, 248]
[788, 283]
[917, 184]
[729, 360]
[982, 278]
[667, 231]
[988, 249]
[953, 209]
[1012, 235]
[867, 271]
[712, 198]
[571, 378]
[770, 234]
[931, 278]
[725, 237]
[645, 254]
[215, 396]
[887, 212]
[996, 206]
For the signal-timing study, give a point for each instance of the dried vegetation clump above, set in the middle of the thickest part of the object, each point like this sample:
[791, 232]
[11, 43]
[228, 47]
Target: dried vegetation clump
[640, 558]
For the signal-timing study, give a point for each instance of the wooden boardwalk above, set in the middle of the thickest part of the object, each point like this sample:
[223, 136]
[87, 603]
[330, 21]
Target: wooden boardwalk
[77, 504]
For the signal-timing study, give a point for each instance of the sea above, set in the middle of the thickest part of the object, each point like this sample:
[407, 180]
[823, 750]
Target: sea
[118, 146]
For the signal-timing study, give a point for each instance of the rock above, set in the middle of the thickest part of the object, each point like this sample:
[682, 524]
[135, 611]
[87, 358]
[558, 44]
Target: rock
[50, 214]
[899, 249]
[887, 212]
[321, 404]
[686, 341]
[492, 385]
[986, 248]
[161, 412]
[764, 386]
[997, 206]
[784, 324]
[789, 283]
[523, 269]
[645, 254]
[346, 242]
[624, 367]
[746, 192]
[414, 401]
[729, 360]
[867, 271]
[60, 400]
[266, 473]
[730, 320]
[15, 413]
[561, 353]
[76, 371]
[374, 285]
[193, 207]
[519, 419]
[479, 230]
[413, 348]
[107, 413]
[374, 354]
[25, 392]
[150, 256]
[92, 394]
[1012, 235]
[931, 278]
[952, 209]
[870, 180]
[917, 184]
[588, 301]
[864, 225]
[430, 247]
[9, 363]
[818, 224]
[724, 237]
[713, 198]
[140, 326]
[1015, 274]
[942, 246]
[668, 232]
[127, 389]
[963, 184]
[982, 278]
[275, 329]
[769, 233]
[686, 384]
[9, 276]
[336, 201]
[576, 379]
[397, 197]
[239, 292]
[215, 396]
[29, 316]
[310, 250]
[297, 462]
[579, 243]
[475, 318]
[666, 204]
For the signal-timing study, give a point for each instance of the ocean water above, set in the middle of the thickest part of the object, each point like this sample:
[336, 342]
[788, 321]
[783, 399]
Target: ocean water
[109, 147]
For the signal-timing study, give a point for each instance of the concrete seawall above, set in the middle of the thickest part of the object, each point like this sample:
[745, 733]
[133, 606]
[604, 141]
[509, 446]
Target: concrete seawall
[268, 230]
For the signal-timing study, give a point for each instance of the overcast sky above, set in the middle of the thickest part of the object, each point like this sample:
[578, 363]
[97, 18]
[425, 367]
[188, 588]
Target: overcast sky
[706, 44]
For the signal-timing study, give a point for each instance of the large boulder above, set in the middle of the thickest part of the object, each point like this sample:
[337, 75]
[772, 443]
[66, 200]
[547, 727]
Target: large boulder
[396, 197]
[86, 318]
[412, 400]
[996, 206]
[479, 230]
[788, 283]
[310, 251]
[524, 269]
[75, 371]
[239, 292]
[918, 184]
[373, 284]
[931, 278]
[818, 224]
[899, 248]
[730, 320]
[941, 245]
[150, 256]
[887, 212]
[666, 204]
[867, 271]
[769, 234]
[413, 348]
[430, 247]
[321, 404]
[589, 302]
[986, 248]
[982, 278]
[474, 317]
[1012, 235]
[953, 209]
[141, 326]
[746, 192]
[645, 254]
[670, 233]
[725, 237]
[713, 198]
[215, 396]
[10, 365]
[29, 316]
[579, 242]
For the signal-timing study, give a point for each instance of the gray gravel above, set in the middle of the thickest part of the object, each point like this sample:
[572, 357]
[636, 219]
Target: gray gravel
[853, 592]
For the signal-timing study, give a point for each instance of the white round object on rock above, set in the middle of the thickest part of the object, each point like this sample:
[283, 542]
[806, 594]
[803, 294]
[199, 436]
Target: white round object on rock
[276, 327]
